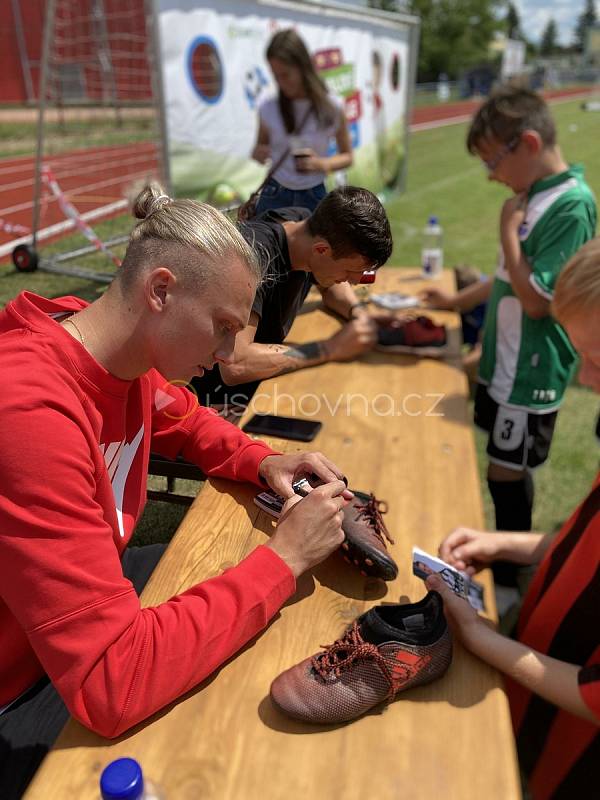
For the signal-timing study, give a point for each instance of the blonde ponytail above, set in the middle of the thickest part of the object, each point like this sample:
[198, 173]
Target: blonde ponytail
[167, 225]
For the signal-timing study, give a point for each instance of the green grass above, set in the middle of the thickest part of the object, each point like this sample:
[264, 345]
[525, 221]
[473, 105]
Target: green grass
[13, 282]
[19, 138]
[444, 180]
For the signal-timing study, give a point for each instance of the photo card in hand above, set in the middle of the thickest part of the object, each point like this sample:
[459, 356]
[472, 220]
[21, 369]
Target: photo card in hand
[425, 564]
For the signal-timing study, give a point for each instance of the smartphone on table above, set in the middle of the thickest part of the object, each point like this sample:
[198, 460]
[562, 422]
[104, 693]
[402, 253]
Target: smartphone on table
[300, 430]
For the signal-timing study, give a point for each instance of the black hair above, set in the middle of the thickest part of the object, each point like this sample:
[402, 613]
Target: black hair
[352, 220]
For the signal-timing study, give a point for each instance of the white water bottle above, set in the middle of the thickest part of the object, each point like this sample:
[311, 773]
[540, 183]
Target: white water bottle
[432, 254]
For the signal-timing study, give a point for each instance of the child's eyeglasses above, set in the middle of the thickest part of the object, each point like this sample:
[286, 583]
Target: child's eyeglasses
[494, 163]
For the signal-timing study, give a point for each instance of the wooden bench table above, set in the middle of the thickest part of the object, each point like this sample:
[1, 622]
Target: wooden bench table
[398, 426]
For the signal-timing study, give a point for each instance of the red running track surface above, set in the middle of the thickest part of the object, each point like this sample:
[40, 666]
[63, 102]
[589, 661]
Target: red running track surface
[97, 180]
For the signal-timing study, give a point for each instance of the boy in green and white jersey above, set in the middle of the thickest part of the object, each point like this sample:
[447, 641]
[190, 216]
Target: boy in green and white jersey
[527, 359]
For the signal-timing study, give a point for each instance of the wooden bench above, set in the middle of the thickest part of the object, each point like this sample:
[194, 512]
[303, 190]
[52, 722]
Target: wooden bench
[172, 469]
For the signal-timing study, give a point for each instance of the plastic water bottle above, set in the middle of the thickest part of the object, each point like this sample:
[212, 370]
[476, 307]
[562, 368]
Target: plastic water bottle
[123, 779]
[432, 254]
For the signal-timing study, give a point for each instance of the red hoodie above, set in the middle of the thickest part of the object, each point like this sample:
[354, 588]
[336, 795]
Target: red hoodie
[74, 447]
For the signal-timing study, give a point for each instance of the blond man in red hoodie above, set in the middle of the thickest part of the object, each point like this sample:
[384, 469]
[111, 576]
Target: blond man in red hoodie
[82, 406]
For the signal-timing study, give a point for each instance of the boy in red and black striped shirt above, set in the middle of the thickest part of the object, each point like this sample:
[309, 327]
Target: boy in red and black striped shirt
[553, 668]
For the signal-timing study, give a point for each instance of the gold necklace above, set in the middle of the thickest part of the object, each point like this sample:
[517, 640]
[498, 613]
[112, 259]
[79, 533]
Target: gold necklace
[72, 322]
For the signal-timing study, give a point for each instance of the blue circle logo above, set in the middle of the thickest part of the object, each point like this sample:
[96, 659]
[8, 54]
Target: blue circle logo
[205, 69]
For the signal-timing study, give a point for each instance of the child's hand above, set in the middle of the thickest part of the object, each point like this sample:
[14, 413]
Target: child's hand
[438, 298]
[513, 213]
[470, 550]
[464, 620]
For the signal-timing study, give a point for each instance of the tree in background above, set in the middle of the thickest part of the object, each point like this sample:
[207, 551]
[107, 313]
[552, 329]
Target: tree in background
[454, 36]
[549, 43]
[585, 21]
[513, 23]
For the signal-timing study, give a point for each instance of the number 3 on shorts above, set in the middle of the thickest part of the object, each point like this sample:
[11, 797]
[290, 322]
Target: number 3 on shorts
[509, 428]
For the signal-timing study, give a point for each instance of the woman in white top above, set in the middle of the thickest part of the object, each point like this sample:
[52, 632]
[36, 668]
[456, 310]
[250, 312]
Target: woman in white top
[303, 119]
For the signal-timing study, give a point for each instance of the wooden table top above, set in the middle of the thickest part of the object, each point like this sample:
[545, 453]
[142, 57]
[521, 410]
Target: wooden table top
[400, 427]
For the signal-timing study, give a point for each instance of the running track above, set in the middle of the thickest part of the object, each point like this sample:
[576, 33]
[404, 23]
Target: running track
[97, 181]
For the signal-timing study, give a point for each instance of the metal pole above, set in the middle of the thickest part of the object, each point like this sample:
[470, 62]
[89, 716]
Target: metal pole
[158, 87]
[412, 79]
[109, 93]
[48, 31]
[25, 65]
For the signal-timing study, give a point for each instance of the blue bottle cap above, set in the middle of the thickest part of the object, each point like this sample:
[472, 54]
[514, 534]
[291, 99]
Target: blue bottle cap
[433, 220]
[122, 779]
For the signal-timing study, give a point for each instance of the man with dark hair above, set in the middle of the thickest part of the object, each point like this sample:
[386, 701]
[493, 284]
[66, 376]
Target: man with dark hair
[353, 222]
[348, 234]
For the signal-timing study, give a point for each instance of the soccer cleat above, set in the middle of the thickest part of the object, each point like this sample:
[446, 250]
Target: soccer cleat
[365, 532]
[417, 335]
[387, 650]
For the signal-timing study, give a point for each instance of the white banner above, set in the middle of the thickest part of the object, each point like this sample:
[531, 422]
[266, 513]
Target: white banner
[215, 75]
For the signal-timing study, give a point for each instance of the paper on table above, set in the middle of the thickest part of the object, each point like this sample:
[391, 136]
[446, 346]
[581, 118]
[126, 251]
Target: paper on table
[394, 301]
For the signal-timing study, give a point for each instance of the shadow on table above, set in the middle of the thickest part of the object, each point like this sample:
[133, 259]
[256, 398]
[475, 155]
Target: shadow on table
[411, 278]
[452, 358]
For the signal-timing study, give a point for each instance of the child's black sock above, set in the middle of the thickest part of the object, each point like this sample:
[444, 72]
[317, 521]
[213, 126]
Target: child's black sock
[513, 502]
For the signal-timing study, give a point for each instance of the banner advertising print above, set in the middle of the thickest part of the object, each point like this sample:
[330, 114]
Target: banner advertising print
[215, 75]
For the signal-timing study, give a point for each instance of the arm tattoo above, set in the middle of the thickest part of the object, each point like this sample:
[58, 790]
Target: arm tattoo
[301, 353]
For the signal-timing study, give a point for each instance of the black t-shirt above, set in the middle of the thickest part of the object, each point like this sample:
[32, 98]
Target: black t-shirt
[277, 301]
[284, 290]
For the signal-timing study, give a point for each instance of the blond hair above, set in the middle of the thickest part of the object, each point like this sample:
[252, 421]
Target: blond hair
[169, 229]
[577, 289]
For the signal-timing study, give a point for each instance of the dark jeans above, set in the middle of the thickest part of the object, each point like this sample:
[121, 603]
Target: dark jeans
[29, 728]
[274, 195]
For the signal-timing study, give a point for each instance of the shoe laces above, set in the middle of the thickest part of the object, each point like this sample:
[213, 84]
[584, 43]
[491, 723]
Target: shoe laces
[348, 650]
[372, 512]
